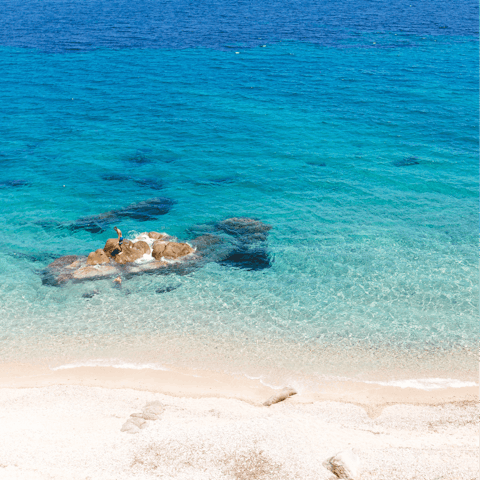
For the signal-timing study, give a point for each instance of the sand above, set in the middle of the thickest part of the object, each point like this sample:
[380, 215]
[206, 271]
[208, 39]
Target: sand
[66, 425]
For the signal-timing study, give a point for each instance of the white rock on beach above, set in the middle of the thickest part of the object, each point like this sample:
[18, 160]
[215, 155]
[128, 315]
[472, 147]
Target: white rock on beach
[280, 396]
[345, 464]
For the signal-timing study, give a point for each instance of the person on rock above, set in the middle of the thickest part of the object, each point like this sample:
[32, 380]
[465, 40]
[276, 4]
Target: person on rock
[120, 238]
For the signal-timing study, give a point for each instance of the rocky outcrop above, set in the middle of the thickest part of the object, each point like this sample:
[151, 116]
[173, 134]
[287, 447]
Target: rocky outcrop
[345, 465]
[170, 250]
[280, 396]
[238, 242]
[98, 257]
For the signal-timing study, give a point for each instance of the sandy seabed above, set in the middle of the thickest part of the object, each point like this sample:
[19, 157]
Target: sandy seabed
[63, 426]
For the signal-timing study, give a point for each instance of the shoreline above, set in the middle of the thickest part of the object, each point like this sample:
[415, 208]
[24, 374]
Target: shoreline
[373, 397]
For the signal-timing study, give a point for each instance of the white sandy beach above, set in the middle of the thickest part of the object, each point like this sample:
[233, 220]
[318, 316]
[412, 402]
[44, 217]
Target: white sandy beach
[61, 426]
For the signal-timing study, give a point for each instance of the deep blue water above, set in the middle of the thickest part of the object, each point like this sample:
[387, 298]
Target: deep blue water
[351, 129]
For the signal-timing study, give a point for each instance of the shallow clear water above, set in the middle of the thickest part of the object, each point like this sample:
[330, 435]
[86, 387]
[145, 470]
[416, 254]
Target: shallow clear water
[357, 144]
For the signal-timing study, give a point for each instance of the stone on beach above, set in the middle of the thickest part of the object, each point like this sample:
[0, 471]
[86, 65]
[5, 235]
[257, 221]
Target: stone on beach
[97, 257]
[155, 408]
[345, 464]
[170, 250]
[280, 396]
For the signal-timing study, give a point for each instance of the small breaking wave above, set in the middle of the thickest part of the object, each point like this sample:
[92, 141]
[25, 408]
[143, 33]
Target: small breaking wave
[426, 383]
[112, 364]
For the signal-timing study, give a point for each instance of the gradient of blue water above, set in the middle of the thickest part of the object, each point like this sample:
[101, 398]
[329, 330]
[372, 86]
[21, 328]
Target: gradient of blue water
[308, 128]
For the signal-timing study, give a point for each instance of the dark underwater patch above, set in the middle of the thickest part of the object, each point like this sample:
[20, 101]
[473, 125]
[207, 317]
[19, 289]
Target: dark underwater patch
[141, 211]
[40, 257]
[244, 229]
[14, 184]
[152, 183]
[147, 209]
[94, 223]
[406, 162]
[316, 164]
[248, 259]
[116, 178]
[90, 294]
[168, 289]
[139, 158]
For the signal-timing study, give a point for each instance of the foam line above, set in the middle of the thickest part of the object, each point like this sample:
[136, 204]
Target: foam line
[110, 363]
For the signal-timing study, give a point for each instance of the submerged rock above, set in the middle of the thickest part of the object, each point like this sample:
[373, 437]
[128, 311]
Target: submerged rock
[246, 229]
[90, 294]
[94, 272]
[14, 183]
[406, 162]
[165, 289]
[141, 211]
[248, 258]
[63, 262]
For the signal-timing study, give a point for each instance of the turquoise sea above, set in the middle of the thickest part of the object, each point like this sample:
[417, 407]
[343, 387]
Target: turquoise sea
[360, 150]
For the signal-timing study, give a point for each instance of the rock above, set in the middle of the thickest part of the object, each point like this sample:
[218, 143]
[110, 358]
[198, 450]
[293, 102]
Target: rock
[146, 415]
[111, 247]
[151, 411]
[129, 252]
[144, 247]
[92, 272]
[98, 257]
[138, 421]
[170, 250]
[156, 235]
[130, 427]
[280, 396]
[345, 464]
[118, 280]
[147, 267]
[154, 407]
[158, 249]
